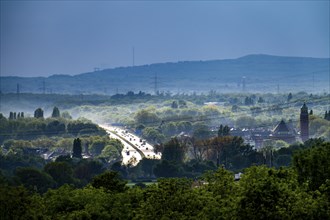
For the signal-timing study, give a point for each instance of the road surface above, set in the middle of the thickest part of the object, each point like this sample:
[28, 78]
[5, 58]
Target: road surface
[135, 148]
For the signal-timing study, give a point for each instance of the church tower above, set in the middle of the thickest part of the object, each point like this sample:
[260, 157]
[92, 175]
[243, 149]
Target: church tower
[304, 122]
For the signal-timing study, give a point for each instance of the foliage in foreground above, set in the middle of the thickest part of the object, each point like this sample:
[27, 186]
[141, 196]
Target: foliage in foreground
[261, 193]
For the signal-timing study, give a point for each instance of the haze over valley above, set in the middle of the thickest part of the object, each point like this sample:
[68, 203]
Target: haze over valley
[164, 110]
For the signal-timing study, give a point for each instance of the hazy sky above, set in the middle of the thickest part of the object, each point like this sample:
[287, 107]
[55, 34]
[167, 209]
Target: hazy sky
[45, 38]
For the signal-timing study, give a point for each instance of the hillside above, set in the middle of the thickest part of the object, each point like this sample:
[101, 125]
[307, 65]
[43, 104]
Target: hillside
[262, 74]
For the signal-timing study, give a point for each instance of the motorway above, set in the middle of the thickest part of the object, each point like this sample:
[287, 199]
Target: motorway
[135, 148]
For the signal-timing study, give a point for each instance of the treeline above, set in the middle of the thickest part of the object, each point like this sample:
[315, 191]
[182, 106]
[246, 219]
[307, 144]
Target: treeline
[298, 192]
[29, 128]
[22, 164]
[191, 158]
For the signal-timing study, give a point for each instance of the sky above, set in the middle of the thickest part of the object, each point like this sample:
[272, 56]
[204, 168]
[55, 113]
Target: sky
[42, 38]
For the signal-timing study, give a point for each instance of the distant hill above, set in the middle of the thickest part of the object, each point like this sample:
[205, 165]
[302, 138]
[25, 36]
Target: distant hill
[259, 73]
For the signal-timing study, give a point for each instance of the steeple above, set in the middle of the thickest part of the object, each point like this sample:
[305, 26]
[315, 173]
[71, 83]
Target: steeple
[304, 123]
[304, 108]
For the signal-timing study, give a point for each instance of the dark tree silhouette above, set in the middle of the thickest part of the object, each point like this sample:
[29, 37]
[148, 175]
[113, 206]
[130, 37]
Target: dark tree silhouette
[223, 131]
[110, 181]
[289, 96]
[77, 149]
[173, 151]
[38, 113]
[56, 112]
[174, 104]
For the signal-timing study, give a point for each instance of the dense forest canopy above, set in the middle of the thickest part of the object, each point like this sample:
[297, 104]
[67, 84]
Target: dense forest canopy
[297, 192]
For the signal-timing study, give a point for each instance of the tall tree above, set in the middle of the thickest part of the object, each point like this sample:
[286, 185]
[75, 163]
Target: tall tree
[223, 130]
[173, 151]
[199, 148]
[56, 113]
[77, 149]
[220, 131]
[38, 113]
[289, 97]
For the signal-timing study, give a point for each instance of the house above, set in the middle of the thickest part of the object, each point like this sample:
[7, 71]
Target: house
[283, 132]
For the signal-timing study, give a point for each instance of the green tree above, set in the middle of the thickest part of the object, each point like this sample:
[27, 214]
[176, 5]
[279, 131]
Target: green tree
[172, 198]
[110, 181]
[201, 131]
[313, 165]
[56, 113]
[39, 113]
[147, 166]
[61, 172]
[110, 153]
[55, 128]
[167, 169]
[17, 203]
[85, 170]
[289, 97]
[97, 146]
[174, 104]
[153, 135]
[34, 180]
[266, 193]
[87, 203]
[223, 131]
[220, 182]
[169, 129]
[146, 117]
[174, 151]
[77, 149]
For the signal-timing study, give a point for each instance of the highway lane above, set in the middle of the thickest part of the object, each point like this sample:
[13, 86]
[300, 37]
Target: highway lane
[135, 148]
